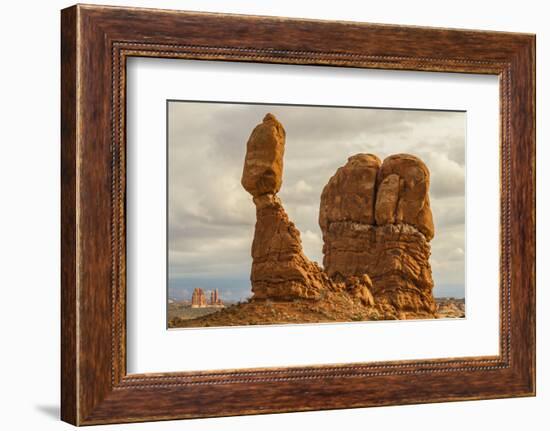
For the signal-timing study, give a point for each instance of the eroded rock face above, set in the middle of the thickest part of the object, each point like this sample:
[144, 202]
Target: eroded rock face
[280, 270]
[360, 288]
[351, 192]
[402, 197]
[392, 246]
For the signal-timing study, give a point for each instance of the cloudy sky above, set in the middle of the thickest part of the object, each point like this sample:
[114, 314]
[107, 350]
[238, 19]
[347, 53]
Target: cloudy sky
[211, 217]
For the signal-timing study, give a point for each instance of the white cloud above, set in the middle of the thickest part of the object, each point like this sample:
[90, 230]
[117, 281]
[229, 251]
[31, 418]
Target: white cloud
[312, 243]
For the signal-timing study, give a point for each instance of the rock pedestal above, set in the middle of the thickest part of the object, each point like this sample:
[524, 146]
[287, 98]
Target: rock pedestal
[280, 270]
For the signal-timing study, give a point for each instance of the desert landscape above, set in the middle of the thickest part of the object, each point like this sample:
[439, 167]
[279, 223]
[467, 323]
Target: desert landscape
[376, 223]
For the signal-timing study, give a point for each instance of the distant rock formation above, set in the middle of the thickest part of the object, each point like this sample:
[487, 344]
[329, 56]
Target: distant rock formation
[215, 299]
[280, 270]
[376, 220]
[198, 299]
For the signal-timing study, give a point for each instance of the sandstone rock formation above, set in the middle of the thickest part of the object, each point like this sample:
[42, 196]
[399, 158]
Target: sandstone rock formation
[263, 164]
[198, 298]
[215, 299]
[376, 223]
[376, 220]
[280, 270]
[402, 195]
[351, 192]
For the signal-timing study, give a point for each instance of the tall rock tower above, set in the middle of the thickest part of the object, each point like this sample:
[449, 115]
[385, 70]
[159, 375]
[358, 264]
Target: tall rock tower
[280, 270]
[376, 219]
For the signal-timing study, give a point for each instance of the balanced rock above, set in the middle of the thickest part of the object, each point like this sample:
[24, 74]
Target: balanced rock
[280, 270]
[392, 247]
[263, 164]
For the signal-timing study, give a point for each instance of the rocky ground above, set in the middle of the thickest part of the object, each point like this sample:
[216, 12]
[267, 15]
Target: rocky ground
[335, 307]
[184, 311]
[450, 308]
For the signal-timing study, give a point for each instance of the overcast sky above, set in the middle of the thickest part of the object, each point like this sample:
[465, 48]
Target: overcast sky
[211, 217]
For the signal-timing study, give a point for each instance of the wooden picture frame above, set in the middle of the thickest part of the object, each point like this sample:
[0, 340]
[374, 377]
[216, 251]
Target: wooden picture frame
[95, 43]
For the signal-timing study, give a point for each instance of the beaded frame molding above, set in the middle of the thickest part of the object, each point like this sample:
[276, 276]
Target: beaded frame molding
[95, 43]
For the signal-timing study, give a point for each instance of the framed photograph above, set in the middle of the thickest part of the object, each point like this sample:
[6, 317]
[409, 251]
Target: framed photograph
[263, 214]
